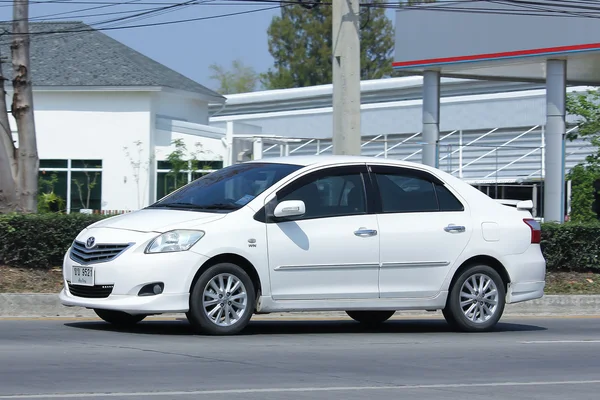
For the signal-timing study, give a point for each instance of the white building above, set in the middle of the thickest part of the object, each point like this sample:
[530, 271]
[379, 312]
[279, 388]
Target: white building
[491, 132]
[104, 111]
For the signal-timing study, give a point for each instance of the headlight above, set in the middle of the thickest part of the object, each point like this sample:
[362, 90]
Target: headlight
[179, 240]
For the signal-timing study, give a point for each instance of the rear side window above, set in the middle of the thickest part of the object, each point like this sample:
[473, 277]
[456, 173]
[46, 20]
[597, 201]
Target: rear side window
[446, 200]
[406, 194]
[404, 191]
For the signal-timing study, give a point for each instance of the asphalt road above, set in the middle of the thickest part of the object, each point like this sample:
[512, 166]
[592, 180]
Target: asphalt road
[528, 358]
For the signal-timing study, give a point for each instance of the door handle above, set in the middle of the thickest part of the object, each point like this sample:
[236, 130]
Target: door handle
[364, 232]
[454, 228]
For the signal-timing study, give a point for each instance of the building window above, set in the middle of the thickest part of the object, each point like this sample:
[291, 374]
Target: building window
[168, 180]
[70, 185]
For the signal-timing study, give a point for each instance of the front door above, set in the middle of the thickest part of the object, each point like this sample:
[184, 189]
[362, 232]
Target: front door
[332, 251]
[423, 228]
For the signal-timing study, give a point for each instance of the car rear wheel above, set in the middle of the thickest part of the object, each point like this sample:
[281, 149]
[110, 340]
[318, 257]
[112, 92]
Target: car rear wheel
[222, 300]
[476, 300]
[370, 317]
[119, 318]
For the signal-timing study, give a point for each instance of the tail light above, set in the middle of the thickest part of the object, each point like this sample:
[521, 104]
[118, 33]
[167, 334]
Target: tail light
[536, 230]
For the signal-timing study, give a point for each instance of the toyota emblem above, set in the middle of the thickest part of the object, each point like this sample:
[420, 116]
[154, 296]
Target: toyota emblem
[90, 242]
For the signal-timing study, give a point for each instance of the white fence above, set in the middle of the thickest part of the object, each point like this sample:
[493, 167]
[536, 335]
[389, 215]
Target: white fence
[486, 156]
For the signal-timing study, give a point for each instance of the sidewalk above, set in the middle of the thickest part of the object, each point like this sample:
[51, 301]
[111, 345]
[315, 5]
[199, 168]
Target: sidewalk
[48, 305]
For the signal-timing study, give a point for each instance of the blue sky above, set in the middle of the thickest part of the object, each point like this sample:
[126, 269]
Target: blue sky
[188, 48]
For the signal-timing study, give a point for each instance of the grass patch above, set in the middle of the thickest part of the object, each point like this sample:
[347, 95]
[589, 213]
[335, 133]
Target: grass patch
[30, 280]
[572, 283]
[42, 280]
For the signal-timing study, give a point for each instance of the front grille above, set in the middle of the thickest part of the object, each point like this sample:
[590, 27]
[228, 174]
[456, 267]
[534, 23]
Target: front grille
[97, 254]
[91, 292]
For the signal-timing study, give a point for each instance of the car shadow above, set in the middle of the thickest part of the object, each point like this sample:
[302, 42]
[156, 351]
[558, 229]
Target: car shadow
[299, 327]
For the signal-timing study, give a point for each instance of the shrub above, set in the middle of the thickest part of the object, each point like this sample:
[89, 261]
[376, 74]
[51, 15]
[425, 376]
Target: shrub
[571, 246]
[39, 240]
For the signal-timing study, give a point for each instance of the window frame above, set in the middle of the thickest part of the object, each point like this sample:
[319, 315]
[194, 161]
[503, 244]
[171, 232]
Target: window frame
[69, 169]
[375, 170]
[265, 214]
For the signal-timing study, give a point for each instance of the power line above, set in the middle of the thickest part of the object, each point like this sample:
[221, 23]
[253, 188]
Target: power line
[442, 5]
[92, 29]
[42, 17]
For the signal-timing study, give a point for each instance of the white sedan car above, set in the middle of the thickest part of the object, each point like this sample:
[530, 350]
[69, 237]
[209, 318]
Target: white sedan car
[367, 236]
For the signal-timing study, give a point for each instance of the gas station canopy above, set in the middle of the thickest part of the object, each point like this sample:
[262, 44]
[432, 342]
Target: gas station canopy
[509, 41]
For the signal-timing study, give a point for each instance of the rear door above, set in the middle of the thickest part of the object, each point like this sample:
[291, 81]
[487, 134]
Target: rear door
[423, 227]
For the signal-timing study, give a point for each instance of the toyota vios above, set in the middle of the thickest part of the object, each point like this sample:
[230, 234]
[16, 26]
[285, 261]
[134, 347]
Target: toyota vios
[366, 236]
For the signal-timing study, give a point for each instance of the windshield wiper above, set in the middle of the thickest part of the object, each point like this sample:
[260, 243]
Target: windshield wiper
[176, 205]
[219, 206]
[216, 206]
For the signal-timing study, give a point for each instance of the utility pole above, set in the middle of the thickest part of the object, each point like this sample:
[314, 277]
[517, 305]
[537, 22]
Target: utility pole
[346, 77]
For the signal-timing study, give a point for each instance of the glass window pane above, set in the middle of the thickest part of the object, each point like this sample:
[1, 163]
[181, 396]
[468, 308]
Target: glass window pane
[405, 193]
[166, 183]
[52, 191]
[86, 190]
[228, 188]
[163, 165]
[86, 163]
[447, 201]
[331, 196]
[210, 164]
[199, 174]
[53, 163]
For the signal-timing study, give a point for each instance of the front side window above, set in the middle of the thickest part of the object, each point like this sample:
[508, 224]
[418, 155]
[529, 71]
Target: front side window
[229, 188]
[404, 191]
[329, 195]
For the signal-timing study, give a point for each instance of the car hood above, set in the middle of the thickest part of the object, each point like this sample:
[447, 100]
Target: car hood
[158, 220]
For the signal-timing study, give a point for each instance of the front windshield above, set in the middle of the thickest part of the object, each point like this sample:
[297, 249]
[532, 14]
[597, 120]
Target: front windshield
[229, 188]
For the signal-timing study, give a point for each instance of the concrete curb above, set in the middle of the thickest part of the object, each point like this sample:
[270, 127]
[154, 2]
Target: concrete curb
[48, 305]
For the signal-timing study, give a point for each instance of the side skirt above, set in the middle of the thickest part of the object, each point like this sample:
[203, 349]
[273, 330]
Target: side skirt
[266, 304]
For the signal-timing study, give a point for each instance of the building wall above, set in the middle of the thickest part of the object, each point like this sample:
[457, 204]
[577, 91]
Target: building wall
[119, 130]
[188, 109]
[98, 126]
[469, 112]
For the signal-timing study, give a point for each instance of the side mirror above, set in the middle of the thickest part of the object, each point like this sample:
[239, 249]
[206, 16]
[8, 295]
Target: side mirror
[289, 208]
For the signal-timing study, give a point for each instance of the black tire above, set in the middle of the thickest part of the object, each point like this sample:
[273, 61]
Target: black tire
[454, 313]
[197, 316]
[119, 318]
[370, 317]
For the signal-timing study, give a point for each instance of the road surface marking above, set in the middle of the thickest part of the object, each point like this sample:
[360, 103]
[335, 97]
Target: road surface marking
[560, 341]
[291, 390]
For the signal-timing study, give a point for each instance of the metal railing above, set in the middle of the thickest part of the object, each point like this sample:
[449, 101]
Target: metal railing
[490, 155]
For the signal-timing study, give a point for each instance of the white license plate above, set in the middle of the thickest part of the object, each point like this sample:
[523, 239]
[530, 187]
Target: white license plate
[82, 276]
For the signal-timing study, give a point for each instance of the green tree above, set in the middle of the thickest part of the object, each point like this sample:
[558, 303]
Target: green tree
[181, 161]
[300, 43]
[586, 107]
[239, 79]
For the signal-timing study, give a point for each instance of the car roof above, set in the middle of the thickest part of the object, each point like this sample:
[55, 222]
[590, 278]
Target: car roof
[304, 160]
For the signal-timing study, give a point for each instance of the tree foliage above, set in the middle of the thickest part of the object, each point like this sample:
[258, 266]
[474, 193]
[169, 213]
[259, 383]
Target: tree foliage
[300, 41]
[586, 107]
[239, 79]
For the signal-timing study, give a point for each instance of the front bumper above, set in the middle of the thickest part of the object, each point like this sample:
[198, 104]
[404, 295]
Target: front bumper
[121, 279]
[159, 304]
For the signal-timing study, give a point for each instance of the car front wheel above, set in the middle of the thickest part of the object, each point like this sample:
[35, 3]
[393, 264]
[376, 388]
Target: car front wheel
[476, 300]
[222, 300]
